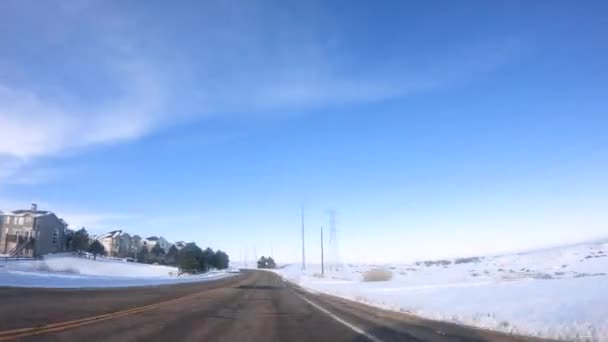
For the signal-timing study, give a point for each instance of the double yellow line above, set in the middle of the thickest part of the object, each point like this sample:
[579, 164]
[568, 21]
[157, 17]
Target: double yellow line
[61, 326]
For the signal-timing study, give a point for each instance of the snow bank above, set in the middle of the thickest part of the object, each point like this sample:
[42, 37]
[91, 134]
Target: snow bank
[559, 293]
[69, 271]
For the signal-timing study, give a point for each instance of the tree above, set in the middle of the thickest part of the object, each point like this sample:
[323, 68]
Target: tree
[206, 259]
[135, 242]
[158, 253]
[220, 260]
[271, 263]
[143, 256]
[266, 262]
[96, 248]
[189, 257]
[171, 257]
[262, 262]
[80, 240]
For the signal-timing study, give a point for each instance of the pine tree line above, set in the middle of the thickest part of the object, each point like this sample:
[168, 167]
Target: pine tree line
[190, 259]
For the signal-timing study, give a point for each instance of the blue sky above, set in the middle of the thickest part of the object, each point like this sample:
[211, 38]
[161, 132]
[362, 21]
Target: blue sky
[433, 129]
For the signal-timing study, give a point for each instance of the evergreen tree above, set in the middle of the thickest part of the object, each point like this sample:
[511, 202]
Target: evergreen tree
[158, 254]
[96, 248]
[80, 240]
[143, 256]
[206, 259]
[271, 263]
[188, 259]
[171, 257]
[220, 260]
[266, 262]
[262, 262]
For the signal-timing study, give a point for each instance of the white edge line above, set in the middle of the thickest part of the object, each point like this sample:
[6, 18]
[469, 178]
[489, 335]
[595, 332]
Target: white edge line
[352, 326]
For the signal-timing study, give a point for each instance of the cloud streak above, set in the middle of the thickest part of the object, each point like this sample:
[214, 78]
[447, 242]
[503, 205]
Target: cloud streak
[35, 126]
[134, 84]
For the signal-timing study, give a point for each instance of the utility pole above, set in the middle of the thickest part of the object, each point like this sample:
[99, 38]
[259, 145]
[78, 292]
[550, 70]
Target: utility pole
[303, 245]
[322, 259]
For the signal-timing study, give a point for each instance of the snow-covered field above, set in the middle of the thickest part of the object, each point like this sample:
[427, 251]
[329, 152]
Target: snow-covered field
[66, 270]
[559, 293]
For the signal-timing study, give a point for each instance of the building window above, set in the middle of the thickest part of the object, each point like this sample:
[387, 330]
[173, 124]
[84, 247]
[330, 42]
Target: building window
[19, 220]
[55, 237]
[7, 219]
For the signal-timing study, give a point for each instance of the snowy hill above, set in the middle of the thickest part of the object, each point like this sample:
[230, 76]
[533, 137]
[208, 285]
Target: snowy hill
[67, 270]
[557, 293]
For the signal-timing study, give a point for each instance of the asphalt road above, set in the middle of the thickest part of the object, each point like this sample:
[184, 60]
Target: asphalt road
[253, 306]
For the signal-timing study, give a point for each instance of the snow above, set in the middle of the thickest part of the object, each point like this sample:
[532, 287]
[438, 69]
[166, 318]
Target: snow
[559, 293]
[70, 271]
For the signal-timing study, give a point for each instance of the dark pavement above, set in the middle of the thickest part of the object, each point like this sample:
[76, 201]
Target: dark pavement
[253, 306]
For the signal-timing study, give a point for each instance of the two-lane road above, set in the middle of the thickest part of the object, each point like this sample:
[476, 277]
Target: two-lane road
[253, 306]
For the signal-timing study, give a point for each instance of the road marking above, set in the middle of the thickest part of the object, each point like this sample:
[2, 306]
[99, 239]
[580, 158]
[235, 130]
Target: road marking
[350, 325]
[77, 323]
[61, 326]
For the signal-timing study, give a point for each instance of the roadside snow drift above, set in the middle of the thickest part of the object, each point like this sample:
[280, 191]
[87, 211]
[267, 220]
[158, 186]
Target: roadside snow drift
[69, 271]
[559, 293]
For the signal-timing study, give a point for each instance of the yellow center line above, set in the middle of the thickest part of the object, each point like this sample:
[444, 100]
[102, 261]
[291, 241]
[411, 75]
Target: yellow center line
[61, 326]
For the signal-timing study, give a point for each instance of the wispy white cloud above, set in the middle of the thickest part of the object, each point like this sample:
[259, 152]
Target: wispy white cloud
[14, 171]
[119, 94]
[145, 85]
[34, 127]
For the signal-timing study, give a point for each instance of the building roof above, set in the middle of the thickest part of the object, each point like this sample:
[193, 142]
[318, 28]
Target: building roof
[179, 244]
[152, 238]
[113, 234]
[35, 213]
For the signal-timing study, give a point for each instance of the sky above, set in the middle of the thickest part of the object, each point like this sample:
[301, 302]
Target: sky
[433, 129]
